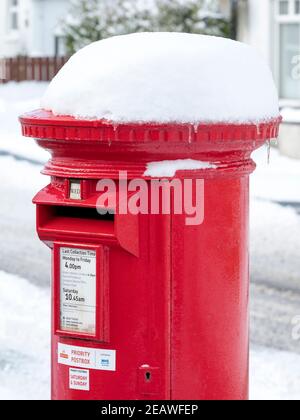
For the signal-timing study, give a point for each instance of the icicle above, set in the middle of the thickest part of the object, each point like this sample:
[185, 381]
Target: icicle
[196, 126]
[115, 128]
[258, 128]
[190, 134]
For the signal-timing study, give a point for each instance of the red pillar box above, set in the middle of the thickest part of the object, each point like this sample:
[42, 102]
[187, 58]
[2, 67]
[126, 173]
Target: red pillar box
[147, 306]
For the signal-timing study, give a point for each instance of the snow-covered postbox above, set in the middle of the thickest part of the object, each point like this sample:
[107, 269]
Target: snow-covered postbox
[146, 214]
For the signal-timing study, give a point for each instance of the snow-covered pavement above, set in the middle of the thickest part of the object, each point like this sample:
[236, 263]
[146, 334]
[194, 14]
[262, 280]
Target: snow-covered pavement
[275, 262]
[276, 179]
[274, 374]
[275, 221]
[16, 99]
[24, 339]
[24, 304]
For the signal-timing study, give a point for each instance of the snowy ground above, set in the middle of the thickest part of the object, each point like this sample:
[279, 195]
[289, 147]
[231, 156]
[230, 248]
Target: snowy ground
[275, 375]
[24, 304]
[24, 339]
[14, 100]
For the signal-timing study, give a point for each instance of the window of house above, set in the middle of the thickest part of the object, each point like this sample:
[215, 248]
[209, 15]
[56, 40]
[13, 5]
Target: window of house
[288, 56]
[284, 7]
[13, 15]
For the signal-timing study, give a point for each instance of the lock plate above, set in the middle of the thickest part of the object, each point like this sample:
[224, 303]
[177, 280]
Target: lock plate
[75, 190]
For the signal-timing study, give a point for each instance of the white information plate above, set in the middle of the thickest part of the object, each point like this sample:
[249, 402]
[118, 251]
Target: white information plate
[79, 379]
[78, 290]
[86, 358]
[75, 190]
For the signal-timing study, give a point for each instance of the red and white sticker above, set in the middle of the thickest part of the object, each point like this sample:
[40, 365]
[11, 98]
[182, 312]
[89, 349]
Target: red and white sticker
[86, 358]
[79, 379]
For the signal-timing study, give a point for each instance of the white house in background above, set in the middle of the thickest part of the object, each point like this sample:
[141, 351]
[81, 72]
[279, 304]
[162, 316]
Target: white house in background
[273, 28]
[32, 27]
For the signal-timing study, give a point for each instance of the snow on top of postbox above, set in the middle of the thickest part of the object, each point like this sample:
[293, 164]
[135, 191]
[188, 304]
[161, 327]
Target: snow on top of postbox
[163, 78]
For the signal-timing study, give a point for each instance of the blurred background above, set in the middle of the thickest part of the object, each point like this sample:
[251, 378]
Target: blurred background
[36, 38]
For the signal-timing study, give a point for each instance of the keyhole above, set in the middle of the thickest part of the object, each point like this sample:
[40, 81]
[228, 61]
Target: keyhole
[148, 376]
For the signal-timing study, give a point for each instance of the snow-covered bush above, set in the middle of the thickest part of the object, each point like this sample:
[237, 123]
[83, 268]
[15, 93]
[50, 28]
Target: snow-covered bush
[92, 20]
[191, 16]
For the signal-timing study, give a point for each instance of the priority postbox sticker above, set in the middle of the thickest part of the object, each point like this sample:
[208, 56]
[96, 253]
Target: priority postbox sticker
[78, 290]
[86, 358]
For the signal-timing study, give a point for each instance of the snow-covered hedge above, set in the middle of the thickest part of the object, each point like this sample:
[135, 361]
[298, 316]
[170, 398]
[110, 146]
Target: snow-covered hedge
[93, 20]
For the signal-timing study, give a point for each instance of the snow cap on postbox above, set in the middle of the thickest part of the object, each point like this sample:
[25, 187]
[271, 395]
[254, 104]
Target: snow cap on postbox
[165, 78]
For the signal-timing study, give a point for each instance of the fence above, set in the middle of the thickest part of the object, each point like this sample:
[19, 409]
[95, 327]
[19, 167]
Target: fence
[20, 69]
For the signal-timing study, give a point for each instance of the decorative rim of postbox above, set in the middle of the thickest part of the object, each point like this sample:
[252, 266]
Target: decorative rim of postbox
[42, 124]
